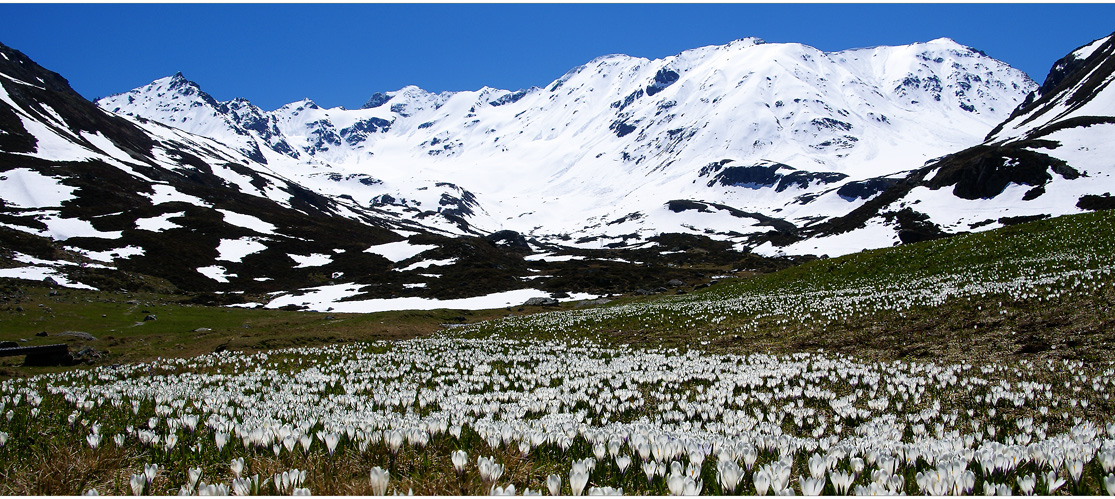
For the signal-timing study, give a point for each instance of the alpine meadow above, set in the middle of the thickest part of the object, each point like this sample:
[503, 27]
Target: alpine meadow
[745, 269]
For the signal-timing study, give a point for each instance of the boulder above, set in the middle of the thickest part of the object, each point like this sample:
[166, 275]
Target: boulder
[541, 301]
[509, 239]
[78, 334]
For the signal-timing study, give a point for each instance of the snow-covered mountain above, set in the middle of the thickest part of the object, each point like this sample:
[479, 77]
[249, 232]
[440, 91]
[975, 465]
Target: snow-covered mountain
[1052, 156]
[733, 141]
[767, 149]
[93, 199]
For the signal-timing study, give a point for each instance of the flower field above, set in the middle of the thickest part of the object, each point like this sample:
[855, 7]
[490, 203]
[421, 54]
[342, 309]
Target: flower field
[704, 393]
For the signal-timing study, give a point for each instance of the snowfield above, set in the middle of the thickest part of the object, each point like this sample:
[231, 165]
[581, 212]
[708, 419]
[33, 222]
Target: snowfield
[622, 136]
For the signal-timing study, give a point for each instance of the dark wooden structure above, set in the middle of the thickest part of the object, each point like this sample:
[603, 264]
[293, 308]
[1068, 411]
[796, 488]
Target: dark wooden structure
[42, 355]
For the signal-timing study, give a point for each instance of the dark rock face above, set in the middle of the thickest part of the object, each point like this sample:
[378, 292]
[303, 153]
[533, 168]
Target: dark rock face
[662, 79]
[620, 105]
[914, 226]
[1096, 203]
[758, 177]
[864, 189]
[982, 172]
[509, 239]
[509, 98]
[621, 128]
[377, 99]
[778, 224]
[360, 130]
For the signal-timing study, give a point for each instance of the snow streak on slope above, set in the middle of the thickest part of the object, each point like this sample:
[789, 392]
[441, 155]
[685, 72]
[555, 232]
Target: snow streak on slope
[768, 131]
[1051, 157]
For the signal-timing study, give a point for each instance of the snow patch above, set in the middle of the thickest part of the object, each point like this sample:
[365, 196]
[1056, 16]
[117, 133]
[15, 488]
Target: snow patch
[159, 223]
[167, 194]
[215, 272]
[248, 222]
[549, 257]
[234, 250]
[30, 189]
[399, 251]
[329, 298]
[311, 260]
[110, 255]
[427, 263]
[40, 273]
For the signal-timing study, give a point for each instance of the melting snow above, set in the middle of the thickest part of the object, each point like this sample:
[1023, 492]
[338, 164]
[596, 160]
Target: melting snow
[40, 273]
[101, 142]
[874, 235]
[215, 272]
[427, 263]
[167, 194]
[312, 260]
[30, 189]
[234, 250]
[50, 146]
[108, 256]
[549, 257]
[61, 229]
[159, 223]
[399, 251]
[248, 222]
[328, 298]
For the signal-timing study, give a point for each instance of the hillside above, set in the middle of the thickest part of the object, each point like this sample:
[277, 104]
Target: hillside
[962, 350]
[1050, 157]
[1042, 289]
[760, 136]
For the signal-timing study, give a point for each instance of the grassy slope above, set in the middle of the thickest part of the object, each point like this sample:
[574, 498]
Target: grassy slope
[1042, 289]
[117, 321]
[788, 311]
[795, 309]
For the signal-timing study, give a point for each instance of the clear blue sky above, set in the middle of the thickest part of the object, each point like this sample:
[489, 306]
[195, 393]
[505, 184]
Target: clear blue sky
[340, 54]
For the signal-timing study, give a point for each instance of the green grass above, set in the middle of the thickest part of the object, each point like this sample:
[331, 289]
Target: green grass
[857, 304]
[1041, 289]
[184, 330]
[1015, 300]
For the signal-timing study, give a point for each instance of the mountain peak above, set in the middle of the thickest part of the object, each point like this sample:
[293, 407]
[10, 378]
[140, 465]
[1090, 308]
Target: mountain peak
[377, 99]
[944, 40]
[748, 41]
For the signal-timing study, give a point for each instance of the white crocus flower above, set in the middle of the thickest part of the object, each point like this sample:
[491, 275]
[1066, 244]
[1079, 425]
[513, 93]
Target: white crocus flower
[578, 478]
[138, 483]
[379, 478]
[1109, 484]
[460, 459]
[811, 486]
[553, 483]
[1053, 482]
[237, 466]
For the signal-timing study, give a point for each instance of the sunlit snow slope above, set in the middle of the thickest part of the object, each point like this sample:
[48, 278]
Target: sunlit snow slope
[733, 141]
[1054, 155]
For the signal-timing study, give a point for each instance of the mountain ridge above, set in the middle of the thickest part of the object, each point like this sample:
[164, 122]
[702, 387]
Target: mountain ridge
[631, 126]
[619, 175]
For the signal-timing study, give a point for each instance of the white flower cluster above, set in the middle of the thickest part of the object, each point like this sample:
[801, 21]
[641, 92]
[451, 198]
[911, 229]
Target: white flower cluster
[691, 422]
